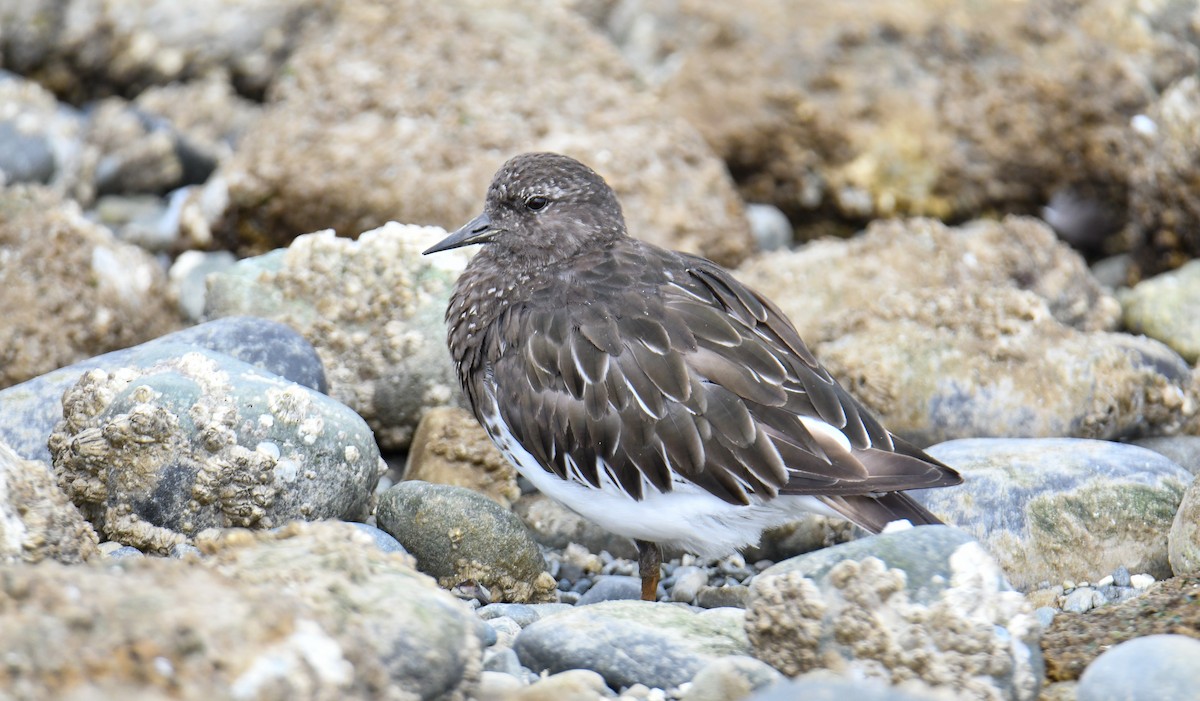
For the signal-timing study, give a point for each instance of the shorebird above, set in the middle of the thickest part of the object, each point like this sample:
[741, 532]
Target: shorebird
[649, 390]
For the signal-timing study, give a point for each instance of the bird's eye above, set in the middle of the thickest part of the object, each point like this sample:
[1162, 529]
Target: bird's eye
[536, 202]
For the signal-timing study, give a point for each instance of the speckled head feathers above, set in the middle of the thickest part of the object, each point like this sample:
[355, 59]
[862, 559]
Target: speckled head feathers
[542, 208]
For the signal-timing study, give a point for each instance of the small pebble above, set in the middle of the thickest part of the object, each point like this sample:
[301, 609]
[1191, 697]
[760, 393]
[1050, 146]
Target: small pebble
[502, 659]
[612, 588]
[182, 550]
[736, 595]
[1045, 615]
[505, 629]
[1141, 581]
[688, 581]
[1106, 581]
[1081, 600]
[521, 614]
[1121, 577]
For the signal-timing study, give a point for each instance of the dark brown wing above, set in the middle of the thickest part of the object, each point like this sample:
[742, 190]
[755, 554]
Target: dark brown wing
[652, 367]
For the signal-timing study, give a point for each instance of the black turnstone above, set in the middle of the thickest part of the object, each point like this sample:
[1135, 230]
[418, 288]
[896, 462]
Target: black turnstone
[650, 391]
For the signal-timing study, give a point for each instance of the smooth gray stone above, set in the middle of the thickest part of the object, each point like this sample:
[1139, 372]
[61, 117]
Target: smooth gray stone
[29, 411]
[523, 614]
[828, 689]
[1051, 509]
[612, 587]
[1152, 668]
[630, 642]
[24, 158]
[383, 540]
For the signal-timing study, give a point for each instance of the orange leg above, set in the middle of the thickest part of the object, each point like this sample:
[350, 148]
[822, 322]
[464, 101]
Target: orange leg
[649, 568]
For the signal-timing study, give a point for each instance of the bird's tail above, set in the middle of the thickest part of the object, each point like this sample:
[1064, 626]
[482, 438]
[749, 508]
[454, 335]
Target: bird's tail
[875, 512]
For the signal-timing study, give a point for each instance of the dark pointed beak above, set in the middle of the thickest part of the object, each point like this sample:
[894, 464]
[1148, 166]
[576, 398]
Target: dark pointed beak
[478, 230]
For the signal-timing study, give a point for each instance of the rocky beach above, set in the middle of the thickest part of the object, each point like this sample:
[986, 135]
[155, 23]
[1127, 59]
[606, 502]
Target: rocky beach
[234, 458]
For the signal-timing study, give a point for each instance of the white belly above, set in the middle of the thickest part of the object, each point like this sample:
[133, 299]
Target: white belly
[687, 517]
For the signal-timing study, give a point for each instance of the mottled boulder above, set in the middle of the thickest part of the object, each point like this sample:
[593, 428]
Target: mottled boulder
[461, 536]
[153, 456]
[1163, 201]
[992, 328]
[37, 521]
[672, 644]
[846, 112]
[359, 133]
[824, 279]
[31, 409]
[1183, 540]
[925, 603]
[267, 615]
[100, 293]
[450, 447]
[1058, 508]
[949, 364]
[373, 308]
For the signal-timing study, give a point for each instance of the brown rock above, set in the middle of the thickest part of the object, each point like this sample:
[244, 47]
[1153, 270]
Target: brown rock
[825, 279]
[450, 447]
[310, 612]
[71, 291]
[387, 114]
[1164, 202]
[1073, 640]
[992, 328]
[37, 521]
[853, 111]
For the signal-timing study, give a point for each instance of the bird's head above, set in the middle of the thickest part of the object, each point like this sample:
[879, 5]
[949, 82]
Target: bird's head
[542, 208]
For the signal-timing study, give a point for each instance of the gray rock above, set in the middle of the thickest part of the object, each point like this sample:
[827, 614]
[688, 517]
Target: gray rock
[1152, 668]
[771, 229]
[612, 587]
[673, 643]
[24, 157]
[1121, 576]
[1058, 508]
[503, 660]
[521, 614]
[926, 603]
[377, 321]
[37, 521]
[157, 454]
[1163, 308]
[731, 678]
[688, 581]
[461, 536]
[123, 50]
[1183, 540]
[1082, 600]
[124, 552]
[825, 687]
[503, 631]
[32, 408]
[383, 540]
[735, 595]
[1182, 450]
